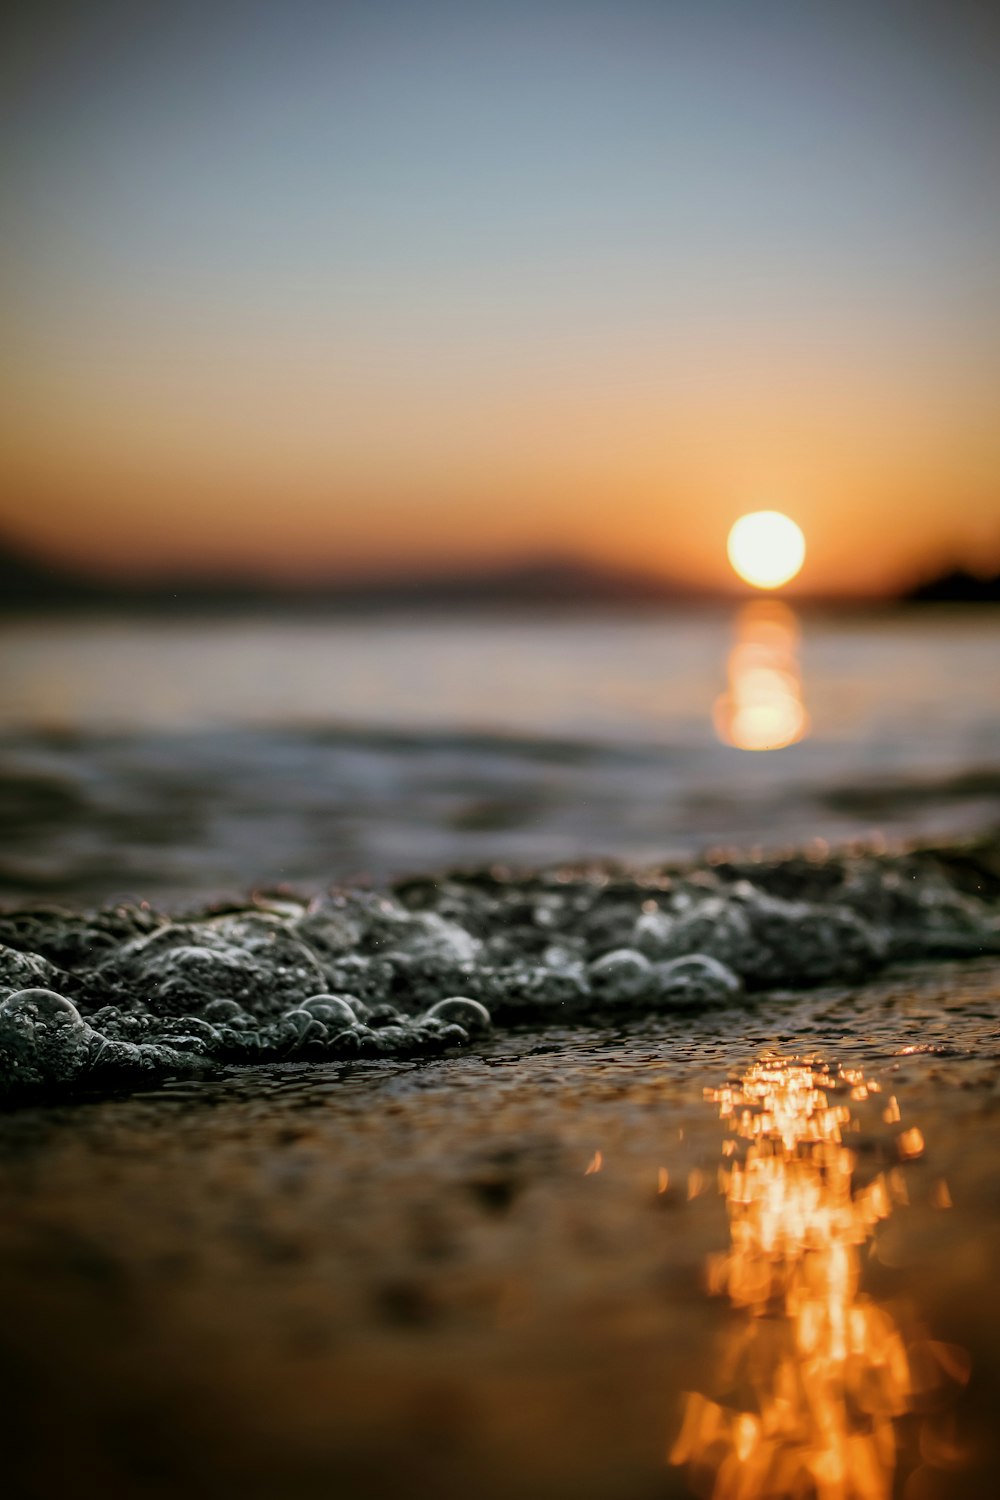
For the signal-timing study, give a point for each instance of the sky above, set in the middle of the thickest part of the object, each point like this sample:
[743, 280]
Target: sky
[337, 290]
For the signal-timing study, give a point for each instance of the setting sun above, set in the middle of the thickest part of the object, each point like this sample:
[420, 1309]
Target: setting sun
[766, 548]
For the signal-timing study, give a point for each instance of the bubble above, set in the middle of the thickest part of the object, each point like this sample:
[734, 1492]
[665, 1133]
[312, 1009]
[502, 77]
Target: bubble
[716, 926]
[189, 1026]
[224, 1010]
[346, 1042]
[303, 1027]
[331, 1009]
[41, 1022]
[652, 933]
[368, 1043]
[459, 1009]
[252, 960]
[41, 1008]
[43, 1038]
[623, 974]
[454, 1036]
[697, 979]
[382, 1015]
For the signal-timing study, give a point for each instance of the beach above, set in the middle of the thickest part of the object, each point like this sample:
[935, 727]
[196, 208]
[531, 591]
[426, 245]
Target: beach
[270, 1222]
[500, 752]
[330, 1279]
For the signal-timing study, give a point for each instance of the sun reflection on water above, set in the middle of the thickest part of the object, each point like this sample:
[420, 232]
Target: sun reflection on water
[762, 708]
[816, 1372]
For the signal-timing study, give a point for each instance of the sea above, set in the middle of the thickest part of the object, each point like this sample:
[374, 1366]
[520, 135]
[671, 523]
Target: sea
[180, 759]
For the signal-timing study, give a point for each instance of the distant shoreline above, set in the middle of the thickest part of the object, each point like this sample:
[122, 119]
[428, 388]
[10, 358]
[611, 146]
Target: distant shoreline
[557, 586]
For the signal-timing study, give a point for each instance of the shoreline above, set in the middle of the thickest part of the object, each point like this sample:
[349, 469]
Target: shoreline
[124, 996]
[311, 1279]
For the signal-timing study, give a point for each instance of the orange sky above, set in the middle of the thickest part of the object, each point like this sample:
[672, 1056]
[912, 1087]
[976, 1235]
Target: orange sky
[343, 309]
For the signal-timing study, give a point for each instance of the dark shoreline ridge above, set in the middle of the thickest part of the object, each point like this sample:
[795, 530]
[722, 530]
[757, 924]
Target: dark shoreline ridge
[110, 1000]
[34, 584]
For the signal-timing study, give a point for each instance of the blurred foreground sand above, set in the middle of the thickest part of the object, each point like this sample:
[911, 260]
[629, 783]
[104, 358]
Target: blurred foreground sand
[324, 1281]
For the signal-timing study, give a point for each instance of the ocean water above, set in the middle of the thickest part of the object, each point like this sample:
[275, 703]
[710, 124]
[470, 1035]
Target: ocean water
[177, 759]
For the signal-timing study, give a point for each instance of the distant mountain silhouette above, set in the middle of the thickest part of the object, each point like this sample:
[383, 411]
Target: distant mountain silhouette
[25, 581]
[29, 584]
[956, 586]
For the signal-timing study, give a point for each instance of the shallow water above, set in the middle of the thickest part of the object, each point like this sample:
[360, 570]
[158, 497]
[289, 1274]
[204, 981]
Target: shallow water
[317, 1280]
[163, 760]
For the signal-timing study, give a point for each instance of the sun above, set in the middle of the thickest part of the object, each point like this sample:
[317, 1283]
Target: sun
[766, 548]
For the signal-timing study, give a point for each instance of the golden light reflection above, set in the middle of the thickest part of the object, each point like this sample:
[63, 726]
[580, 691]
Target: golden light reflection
[817, 1372]
[762, 708]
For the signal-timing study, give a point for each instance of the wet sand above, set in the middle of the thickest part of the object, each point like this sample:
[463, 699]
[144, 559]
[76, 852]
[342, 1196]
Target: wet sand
[361, 1279]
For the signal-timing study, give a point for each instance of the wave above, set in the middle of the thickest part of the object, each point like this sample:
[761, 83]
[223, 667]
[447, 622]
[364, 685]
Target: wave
[112, 999]
[180, 816]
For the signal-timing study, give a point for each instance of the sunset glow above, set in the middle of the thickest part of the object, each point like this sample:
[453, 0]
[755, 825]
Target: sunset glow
[307, 300]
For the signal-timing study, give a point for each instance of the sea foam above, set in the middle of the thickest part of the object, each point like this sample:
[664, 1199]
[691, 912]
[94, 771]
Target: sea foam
[114, 998]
